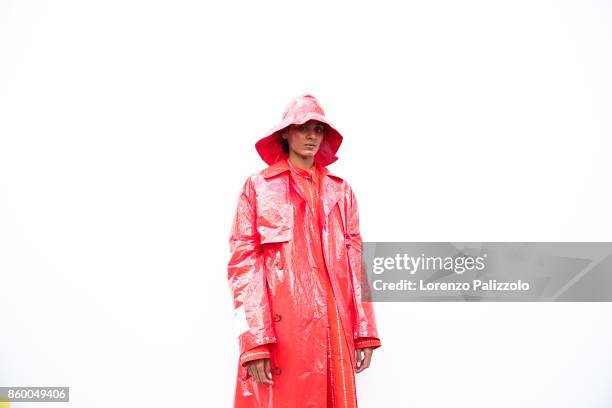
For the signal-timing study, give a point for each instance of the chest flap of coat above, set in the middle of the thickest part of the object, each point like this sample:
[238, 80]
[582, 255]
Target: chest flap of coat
[274, 211]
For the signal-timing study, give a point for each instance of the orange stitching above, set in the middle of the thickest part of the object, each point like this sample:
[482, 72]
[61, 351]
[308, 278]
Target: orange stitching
[254, 354]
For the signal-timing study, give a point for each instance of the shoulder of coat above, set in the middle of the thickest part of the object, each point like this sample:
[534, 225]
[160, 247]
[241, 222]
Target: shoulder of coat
[348, 190]
[262, 179]
[255, 179]
[340, 185]
[336, 177]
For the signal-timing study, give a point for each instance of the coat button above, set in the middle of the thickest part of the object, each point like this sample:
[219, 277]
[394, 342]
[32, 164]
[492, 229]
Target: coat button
[277, 317]
[276, 371]
[280, 264]
[347, 240]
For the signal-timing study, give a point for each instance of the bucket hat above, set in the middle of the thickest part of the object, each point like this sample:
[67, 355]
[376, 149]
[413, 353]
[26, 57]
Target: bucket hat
[300, 110]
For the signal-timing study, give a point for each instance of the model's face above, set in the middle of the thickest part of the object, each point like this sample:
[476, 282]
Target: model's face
[305, 139]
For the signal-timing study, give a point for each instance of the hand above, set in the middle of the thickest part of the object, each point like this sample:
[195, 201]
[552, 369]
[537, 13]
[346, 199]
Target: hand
[363, 356]
[260, 370]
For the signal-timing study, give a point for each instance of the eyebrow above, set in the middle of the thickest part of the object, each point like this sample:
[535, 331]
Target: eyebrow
[314, 124]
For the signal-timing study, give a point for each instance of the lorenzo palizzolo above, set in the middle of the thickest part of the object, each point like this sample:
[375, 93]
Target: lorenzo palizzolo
[476, 284]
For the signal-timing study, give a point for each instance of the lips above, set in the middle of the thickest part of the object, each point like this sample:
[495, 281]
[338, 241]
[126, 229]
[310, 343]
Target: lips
[310, 145]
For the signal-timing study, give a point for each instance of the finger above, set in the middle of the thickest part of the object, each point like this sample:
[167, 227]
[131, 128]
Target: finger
[250, 369]
[256, 372]
[365, 360]
[358, 358]
[262, 373]
[368, 358]
[268, 370]
[365, 363]
[359, 367]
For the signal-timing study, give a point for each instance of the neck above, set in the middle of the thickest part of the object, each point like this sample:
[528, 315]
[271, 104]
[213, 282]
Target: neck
[301, 161]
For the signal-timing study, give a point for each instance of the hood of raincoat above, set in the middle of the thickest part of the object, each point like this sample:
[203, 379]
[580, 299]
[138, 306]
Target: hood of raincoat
[300, 110]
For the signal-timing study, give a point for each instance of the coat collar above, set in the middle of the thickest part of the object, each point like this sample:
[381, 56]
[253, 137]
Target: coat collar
[331, 185]
[282, 165]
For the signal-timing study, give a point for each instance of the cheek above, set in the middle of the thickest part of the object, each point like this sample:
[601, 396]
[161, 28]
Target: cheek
[295, 139]
[298, 138]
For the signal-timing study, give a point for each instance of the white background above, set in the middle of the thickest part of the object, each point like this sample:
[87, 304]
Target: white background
[128, 127]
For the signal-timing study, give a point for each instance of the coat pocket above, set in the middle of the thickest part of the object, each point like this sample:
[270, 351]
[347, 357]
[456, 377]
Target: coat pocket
[275, 223]
[274, 219]
[269, 235]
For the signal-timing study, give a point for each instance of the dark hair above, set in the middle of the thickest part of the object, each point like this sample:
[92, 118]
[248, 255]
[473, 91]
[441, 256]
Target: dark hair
[284, 142]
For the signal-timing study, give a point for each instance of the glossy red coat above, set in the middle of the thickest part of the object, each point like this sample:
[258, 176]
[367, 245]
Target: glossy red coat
[272, 286]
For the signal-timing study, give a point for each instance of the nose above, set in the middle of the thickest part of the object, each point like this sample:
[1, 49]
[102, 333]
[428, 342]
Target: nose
[312, 134]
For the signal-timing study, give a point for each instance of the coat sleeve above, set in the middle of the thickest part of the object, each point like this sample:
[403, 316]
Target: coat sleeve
[255, 354]
[245, 273]
[365, 320]
[371, 342]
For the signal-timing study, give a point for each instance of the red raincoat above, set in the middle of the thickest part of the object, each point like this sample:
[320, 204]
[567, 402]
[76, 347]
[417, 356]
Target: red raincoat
[275, 275]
